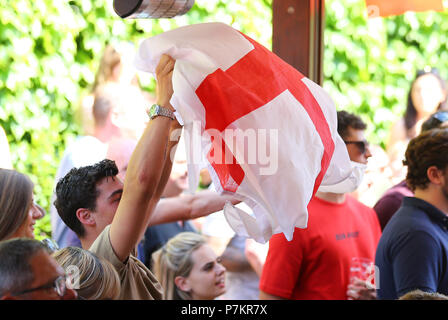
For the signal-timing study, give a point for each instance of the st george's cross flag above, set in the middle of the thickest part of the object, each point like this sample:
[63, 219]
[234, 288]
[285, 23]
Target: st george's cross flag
[267, 134]
[385, 8]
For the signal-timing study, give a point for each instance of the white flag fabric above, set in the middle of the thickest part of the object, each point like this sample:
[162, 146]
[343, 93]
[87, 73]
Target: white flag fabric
[266, 133]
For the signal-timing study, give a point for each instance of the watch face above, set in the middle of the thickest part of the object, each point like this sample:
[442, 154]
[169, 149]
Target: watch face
[153, 110]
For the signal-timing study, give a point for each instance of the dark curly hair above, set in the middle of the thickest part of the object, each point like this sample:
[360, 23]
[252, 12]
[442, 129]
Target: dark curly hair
[77, 189]
[428, 149]
[348, 120]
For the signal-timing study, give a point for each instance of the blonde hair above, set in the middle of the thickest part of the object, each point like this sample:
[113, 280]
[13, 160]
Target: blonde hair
[173, 260]
[422, 295]
[110, 59]
[113, 55]
[98, 279]
[16, 194]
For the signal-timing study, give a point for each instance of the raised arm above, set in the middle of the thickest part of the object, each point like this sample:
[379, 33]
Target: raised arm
[174, 135]
[145, 170]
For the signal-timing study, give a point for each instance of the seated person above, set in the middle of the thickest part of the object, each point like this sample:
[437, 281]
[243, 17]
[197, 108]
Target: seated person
[189, 269]
[28, 272]
[94, 278]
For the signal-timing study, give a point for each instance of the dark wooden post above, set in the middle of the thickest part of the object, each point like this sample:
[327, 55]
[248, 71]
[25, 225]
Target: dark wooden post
[297, 35]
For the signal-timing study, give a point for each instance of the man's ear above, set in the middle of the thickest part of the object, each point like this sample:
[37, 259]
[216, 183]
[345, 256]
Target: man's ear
[114, 117]
[85, 216]
[434, 175]
[182, 283]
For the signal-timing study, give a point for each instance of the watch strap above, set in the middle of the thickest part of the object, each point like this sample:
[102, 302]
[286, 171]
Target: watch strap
[158, 110]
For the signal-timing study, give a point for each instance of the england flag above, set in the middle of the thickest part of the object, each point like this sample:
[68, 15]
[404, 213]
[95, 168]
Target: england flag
[266, 133]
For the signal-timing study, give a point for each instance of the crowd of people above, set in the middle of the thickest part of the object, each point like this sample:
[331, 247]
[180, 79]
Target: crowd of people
[123, 227]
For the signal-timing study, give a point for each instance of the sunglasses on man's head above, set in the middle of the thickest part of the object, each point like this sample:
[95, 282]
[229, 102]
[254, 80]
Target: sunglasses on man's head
[441, 116]
[427, 70]
[362, 145]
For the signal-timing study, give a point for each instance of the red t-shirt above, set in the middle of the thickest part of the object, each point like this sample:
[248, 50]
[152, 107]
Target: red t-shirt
[316, 263]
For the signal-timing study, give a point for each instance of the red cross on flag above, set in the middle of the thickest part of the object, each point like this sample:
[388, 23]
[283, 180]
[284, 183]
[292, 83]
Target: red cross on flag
[265, 132]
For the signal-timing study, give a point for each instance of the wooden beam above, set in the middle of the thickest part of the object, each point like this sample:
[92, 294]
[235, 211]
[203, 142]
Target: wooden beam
[297, 35]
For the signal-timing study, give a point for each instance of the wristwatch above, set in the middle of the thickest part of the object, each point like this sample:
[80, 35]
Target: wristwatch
[158, 110]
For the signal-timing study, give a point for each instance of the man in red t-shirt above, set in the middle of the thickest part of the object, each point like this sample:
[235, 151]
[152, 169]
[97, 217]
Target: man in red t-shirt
[341, 231]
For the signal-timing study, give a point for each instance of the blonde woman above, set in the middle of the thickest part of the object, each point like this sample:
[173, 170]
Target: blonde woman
[188, 269]
[94, 278]
[18, 211]
[115, 67]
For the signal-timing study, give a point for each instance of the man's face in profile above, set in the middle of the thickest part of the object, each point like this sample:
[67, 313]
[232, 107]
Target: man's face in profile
[357, 146]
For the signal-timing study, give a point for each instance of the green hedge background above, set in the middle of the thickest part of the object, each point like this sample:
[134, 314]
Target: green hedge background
[50, 51]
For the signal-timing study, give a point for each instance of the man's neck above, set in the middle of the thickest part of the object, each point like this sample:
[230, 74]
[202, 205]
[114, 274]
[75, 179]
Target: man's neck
[88, 240]
[434, 196]
[106, 133]
[331, 197]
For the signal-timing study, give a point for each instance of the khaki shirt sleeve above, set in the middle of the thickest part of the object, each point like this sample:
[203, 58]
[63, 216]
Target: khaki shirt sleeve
[103, 248]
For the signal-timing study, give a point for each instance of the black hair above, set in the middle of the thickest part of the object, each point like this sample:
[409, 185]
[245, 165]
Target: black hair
[77, 189]
[410, 115]
[348, 120]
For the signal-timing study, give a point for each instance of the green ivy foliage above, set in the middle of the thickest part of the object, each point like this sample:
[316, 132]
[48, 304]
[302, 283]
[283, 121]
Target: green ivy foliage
[369, 64]
[50, 51]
